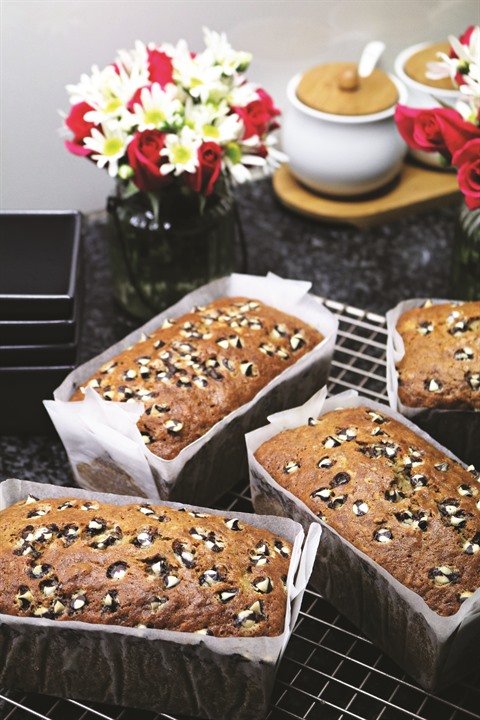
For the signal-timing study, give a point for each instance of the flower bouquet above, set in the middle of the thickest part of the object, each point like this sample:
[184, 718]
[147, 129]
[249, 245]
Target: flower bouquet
[175, 129]
[454, 132]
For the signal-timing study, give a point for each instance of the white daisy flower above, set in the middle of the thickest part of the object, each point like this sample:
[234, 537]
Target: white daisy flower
[213, 122]
[158, 108]
[197, 75]
[220, 52]
[181, 151]
[108, 147]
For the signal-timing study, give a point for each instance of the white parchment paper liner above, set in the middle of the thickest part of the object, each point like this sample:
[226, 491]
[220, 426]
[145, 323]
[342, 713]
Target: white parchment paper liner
[434, 650]
[102, 441]
[458, 430]
[159, 670]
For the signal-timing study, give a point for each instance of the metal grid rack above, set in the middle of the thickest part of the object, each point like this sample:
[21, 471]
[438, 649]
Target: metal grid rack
[329, 670]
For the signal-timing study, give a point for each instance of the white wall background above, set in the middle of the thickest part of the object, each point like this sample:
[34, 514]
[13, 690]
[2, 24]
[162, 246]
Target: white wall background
[46, 44]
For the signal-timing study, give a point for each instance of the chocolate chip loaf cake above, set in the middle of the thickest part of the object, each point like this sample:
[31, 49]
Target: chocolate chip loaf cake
[441, 365]
[391, 494]
[141, 565]
[194, 370]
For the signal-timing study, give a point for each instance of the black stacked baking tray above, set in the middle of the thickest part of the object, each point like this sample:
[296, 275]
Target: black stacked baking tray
[41, 298]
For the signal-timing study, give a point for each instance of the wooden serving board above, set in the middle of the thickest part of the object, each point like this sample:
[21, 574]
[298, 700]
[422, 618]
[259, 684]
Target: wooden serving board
[417, 188]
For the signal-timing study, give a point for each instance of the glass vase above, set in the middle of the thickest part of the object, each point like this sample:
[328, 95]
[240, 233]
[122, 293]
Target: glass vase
[164, 247]
[465, 272]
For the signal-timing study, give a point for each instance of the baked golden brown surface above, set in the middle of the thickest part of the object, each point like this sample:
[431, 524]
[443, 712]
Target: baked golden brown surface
[141, 565]
[194, 370]
[391, 494]
[441, 365]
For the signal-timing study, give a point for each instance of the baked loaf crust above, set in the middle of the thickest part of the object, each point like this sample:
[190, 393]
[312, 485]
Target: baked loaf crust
[391, 494]
[441, 365]
[193, 371]
[141, 565]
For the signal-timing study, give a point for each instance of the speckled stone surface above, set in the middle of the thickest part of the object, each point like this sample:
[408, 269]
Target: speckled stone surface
[371, 269]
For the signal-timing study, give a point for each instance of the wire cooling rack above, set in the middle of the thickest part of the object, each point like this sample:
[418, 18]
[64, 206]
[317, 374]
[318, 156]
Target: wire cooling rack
[329, 670]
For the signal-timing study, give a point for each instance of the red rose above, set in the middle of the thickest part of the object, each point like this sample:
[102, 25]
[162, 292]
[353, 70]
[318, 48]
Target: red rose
[258, 115]
[144, 157]
[467, 160]
[80, 127]
[210, 165]
[160, 67]
[440, 130]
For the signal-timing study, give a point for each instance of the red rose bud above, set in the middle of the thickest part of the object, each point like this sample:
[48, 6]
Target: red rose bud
[144, 157]
[80, 127]
[467, 160]
[210, 165]
[160, 67]
[441, 130]
[258, 115]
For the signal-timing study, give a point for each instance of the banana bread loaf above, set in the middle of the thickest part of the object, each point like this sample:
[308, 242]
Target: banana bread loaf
[441, 365]
[193, 371]
[391, 494]
[141, 565]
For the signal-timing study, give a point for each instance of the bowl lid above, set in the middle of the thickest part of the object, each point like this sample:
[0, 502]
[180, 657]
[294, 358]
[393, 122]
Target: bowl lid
[337, 89]
[416, 66]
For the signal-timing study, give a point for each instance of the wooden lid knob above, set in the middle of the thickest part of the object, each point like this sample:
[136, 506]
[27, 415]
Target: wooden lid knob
[416, 66]
[337, 89]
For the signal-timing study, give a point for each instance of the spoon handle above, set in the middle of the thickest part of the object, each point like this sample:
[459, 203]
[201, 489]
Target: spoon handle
[369, 58]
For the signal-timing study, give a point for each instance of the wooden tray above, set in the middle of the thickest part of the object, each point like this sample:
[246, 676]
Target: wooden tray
[417, 188]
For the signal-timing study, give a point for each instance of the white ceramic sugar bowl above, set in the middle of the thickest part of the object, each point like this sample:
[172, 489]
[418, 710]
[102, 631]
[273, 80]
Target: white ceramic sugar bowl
[352, 151]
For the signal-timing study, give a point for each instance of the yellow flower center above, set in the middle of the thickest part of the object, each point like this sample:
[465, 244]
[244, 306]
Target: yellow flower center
[211, 131]
[112, 146]
[113, 105]
[154, 117]
[181, 155]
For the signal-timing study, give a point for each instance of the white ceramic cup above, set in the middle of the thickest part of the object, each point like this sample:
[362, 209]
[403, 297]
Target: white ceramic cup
[342, 155]
[421, 95]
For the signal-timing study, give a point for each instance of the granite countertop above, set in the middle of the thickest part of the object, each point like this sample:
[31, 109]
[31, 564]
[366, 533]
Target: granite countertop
[371, 269]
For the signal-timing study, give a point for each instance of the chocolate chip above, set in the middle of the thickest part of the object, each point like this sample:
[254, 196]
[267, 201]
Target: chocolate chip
[433, 385]
[156, 565]
[461, 597]
[39, 571]
[393, 495]
[248, 369]
[170, 581]
[418, 481]
[443, 575]
[425, 327]
[459, 327]
[472, 546]
[347, 434]
[341, 478]
[96, 526]
[49, 587]
[442, 467]
[267, 349]
[376, 417]
[226, 596]
[331, 442]
[173, 426]
[211, 577]
[213, 543]
[324, 493]
[326, 462]
[291, 466]
[186, 556]
[473, 379]
[337, 502]
[38, 513]
[281, 549]
[66, 505]
[110, 602]
[144, 539]
[383, 535]
[263, 584]
[78, 602]
[234, 524]
[297, 342]
[360, 508]
[117, 570]
[464, 353]
[24, 597]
